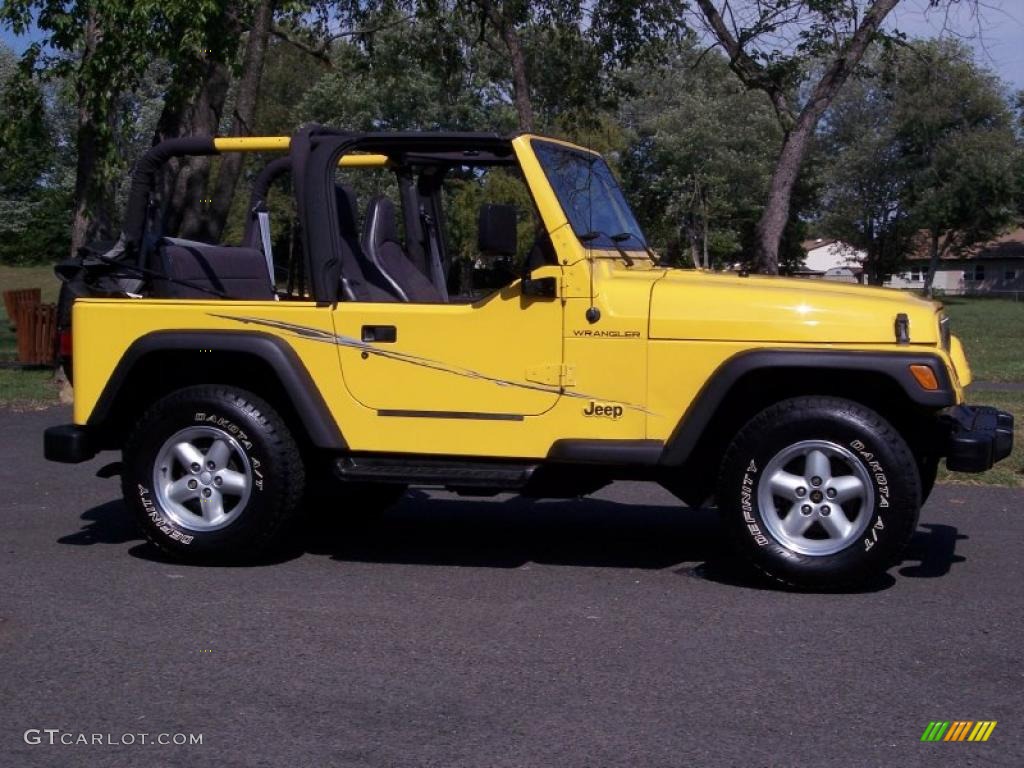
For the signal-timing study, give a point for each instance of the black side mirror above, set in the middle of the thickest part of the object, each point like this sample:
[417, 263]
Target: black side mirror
[497, 230]
[540, 287]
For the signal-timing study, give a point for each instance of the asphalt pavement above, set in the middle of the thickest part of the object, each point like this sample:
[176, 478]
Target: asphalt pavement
[610, 631]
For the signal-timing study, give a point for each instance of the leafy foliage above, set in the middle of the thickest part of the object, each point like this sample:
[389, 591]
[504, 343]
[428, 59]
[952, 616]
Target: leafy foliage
[922, 147]
[699, 157]
[925, 142]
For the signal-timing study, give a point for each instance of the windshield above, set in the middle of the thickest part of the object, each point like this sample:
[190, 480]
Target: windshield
[590, 197]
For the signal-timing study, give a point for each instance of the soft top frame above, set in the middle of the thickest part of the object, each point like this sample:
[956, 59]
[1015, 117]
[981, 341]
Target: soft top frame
[314, 152]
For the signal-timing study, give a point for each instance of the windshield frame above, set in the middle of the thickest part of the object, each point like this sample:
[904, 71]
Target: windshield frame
[611, 194]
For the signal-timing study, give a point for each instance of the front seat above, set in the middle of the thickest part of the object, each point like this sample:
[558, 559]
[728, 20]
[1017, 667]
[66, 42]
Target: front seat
[382, 249]
[360, 279]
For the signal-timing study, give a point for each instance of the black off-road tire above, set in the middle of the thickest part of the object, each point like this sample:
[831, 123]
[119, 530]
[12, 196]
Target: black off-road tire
[262, 448]
[846, 434]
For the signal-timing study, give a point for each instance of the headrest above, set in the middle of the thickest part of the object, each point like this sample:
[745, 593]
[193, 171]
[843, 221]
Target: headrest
[381, 223]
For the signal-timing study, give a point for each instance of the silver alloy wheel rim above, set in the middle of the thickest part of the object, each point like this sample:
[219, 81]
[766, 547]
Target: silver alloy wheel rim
[815, 497]
[202, 478]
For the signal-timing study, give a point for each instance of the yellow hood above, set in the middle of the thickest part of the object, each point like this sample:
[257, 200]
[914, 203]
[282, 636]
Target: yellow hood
[687, 304]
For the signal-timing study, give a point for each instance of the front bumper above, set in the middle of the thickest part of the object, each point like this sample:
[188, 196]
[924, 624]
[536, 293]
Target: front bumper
[69, 444]
[977, 437]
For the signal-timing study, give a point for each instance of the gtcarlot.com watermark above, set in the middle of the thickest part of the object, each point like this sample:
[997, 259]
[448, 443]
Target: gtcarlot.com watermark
[55, 737]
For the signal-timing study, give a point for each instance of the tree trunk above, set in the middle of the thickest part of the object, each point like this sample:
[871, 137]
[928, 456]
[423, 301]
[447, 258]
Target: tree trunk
[690, 233]
[242, 120]
[193, 107]
[520, 79]
[704, 230]
[753, 74]
[775, 216]
[88, 190]
[933, 262]
[82, 220]
[187, 206]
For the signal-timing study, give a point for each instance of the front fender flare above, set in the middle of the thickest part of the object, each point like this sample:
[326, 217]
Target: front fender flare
[893, 365]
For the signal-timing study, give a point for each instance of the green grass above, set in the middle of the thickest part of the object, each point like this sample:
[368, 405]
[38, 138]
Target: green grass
[27, 388]
[992, 331]
[14, 278]
[1010, 471]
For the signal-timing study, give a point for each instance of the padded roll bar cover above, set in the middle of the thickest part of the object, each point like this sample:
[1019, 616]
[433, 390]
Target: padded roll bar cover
[144, 180]
[311, 206]
[270, 173]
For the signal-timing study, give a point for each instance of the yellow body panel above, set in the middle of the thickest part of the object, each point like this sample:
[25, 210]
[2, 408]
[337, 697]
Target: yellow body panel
[961, 369]
[522, 373]
[692, 304]
[475, 358]
[105, 328]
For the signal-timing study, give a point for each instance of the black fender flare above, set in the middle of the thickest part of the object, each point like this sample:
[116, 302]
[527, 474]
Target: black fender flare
[893, 365]
[302, 391]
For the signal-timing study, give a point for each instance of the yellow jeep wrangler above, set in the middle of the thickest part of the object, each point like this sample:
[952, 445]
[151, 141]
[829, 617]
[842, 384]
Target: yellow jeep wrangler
[535, 346]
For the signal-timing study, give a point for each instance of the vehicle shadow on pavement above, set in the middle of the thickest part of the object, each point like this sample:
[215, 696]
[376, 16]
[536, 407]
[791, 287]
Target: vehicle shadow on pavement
[517, 531]
[106, 524]
[934, 547]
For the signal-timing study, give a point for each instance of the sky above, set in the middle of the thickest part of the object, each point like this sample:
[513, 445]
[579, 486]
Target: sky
[996, 33]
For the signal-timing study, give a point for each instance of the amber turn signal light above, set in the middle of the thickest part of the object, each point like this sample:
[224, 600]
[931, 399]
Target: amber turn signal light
[925, 377]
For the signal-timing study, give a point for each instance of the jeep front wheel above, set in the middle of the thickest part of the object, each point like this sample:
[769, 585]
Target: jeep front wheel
[212, 472]
[820, 492]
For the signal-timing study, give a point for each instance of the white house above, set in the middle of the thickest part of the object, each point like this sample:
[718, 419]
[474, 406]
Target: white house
[832, 259]
[995, 267]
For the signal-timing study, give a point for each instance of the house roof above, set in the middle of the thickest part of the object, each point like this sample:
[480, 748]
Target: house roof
[1009, 245]
[820, 242]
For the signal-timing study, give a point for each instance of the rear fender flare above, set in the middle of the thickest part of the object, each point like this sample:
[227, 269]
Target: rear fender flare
[303, 394]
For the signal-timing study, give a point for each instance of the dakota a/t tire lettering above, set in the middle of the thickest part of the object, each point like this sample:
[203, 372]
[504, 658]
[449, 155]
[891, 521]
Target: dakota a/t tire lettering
[259, 456]
[859, 453]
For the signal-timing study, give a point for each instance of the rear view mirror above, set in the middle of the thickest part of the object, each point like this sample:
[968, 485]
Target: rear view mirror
[497, 230]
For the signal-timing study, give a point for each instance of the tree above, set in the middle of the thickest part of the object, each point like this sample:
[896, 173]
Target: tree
[501, 23]
[408, 74]
[867, 178]
[954, 125]
[922, 148]
[770, 45]
[242, 118]
[699, 157]
[34, 195]
[102, 48]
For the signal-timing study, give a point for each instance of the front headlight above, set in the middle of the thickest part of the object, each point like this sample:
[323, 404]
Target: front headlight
[944, 333]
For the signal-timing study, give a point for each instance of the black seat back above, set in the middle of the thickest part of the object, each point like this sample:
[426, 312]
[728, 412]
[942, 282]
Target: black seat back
[385, 254]
[194, 270]
[360, 280]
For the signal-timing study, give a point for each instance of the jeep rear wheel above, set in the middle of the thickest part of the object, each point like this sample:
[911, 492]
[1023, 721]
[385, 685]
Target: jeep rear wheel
[820, 492]
[212, 472]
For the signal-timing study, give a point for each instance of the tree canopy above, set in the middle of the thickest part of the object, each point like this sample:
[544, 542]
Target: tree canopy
[735, 128]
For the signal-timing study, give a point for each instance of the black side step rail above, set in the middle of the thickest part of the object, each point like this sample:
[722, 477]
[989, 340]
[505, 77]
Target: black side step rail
[443, 472]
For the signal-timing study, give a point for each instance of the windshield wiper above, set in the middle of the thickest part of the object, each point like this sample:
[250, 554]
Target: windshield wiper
[616, 239]
[623, 236]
